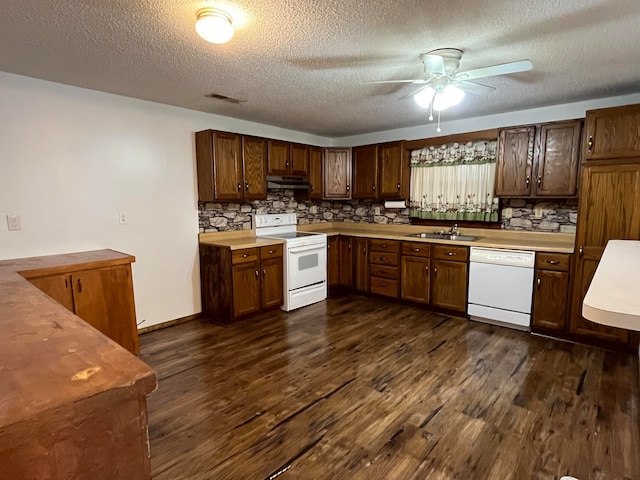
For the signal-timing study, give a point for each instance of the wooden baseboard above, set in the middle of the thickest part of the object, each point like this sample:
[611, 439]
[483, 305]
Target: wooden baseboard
[170, 323]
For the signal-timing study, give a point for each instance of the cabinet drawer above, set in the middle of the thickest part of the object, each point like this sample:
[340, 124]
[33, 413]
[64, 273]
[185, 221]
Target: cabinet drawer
[384, 286]
[553, 261]
[246, 255]
[383, 258]
[450, 252]
[383, 271]
[270, 251]
[416, 249]
[378, 245]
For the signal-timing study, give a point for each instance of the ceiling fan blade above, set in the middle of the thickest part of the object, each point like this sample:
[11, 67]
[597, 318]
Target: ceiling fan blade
[475, 88]
[415, 80]
[502, 69]
[434, 65]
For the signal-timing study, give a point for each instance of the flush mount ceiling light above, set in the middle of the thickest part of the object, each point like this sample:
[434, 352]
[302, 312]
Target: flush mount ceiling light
[214, 25]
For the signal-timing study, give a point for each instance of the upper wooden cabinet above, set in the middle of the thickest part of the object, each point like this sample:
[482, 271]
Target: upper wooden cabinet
[286, 158]
[612, 133]
[230, 166]
[539, 161]
[315, 173]
[254, 162]
[365, 172]
[393, 171]
[337, 173]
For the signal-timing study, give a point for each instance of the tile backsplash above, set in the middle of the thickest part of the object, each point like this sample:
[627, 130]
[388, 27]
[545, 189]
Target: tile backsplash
[557, 216]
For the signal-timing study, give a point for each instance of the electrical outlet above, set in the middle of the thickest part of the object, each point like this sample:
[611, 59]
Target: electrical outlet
[122, 218]
[537, 213]
[508, 212]
[14, 222]
[376, 211]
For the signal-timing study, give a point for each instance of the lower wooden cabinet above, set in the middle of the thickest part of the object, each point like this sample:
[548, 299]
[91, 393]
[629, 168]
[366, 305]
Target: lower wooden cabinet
[333, 260]
[416, 284]
[384, 267]
[237, 283]
[449, 278]
[550, 292]
[102, 297]
[361, 265]
[346, 247]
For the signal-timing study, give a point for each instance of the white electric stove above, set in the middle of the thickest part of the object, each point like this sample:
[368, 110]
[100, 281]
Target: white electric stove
[305, 259]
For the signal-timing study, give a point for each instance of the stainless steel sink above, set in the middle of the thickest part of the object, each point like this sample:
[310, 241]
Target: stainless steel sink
[444, 236]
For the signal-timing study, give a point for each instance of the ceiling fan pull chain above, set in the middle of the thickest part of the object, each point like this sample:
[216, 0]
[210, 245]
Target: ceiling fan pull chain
[431, 111]
[438, 129]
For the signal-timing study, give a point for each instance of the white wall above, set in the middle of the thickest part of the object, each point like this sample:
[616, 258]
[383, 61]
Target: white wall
[522, 117]
[71, 159]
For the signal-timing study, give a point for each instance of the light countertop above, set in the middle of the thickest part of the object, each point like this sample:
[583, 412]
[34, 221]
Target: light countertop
[518, 240]
[612, 298]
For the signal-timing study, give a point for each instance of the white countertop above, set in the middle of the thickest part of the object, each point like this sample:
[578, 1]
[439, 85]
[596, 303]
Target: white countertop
[613, 298]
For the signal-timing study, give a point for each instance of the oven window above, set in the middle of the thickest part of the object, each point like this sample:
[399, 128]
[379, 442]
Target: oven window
[307, 262]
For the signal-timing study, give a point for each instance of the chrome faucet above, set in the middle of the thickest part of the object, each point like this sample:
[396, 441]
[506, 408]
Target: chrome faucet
[454, 230]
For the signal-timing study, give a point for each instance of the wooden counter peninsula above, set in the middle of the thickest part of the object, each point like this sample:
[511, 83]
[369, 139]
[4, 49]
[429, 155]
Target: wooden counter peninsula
[72, 401]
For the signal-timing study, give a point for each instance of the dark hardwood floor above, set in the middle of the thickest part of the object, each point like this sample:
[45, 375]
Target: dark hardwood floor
[355, 388]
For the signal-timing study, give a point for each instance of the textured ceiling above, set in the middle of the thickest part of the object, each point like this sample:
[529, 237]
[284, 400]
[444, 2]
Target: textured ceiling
[298, 64]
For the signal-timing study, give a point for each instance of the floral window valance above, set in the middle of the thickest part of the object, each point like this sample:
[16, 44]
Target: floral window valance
[454, 182]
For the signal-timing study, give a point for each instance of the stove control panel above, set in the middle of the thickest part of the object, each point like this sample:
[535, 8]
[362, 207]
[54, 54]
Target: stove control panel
[275, 220]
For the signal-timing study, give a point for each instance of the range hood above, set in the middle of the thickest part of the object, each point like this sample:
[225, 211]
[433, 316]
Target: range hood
[289, 183]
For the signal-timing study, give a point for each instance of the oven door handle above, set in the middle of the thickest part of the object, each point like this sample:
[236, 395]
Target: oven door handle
[308, 248]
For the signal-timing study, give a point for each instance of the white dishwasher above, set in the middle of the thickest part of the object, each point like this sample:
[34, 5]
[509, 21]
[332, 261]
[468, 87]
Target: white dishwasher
[501, 286]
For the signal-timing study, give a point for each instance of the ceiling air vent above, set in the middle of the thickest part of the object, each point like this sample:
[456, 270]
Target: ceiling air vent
[224, 98]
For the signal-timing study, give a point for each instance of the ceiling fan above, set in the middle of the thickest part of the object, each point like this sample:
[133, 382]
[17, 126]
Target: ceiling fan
[444, 86]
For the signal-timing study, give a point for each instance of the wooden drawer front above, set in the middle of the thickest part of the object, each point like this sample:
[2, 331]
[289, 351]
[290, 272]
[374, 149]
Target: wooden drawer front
[246, 255]
[450, 252]
[416, 249]
[385, 246]
[384, 286]
[383, 258]
[271, 251]
[384, 272]
[553, 261]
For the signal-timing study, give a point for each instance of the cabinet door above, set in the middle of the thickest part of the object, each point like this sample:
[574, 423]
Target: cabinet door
[58, 287]
[333, 260]
[365, 172]
[609, 209]
[254, 159]
[204, 165]
[315, 173]
[558, 159]
[449, 285]
[104, 298]
[346, 261]
[550, 300]
[415, 279]
[514, 161]
[612, 133]
[299, 159]
[337, 173]
[278, 158]
[362, 264]
[227, 166]
[246, 289]
[272, 283]
[393, 170]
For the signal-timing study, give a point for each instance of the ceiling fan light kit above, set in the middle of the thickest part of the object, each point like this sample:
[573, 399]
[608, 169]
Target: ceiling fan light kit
[214, 25]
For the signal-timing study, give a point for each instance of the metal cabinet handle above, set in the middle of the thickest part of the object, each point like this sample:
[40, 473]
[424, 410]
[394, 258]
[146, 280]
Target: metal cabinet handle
[373, 187]
[382, 284]
[364, 249]
[527, 181]
[272, 251]
[257, 274]
[539, 181]
[239, 186]
[246, 186]
[79, 285]
[415, 249]
[264, 272]
[590, 143]
[435, 271]
[286, 164]
[384, 259]
[349, 246]
[348, 187]
[451, 254]
[552, 262]
[426, 269]
[245, 255]
[398, 186]
[580, 251]
[539, 282]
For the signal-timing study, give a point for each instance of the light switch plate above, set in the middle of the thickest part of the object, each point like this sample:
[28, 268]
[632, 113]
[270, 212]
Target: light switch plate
[14, 222]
